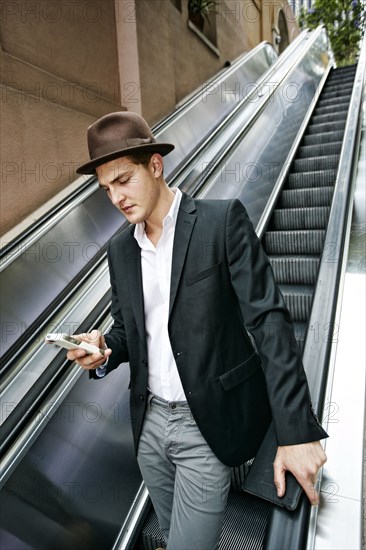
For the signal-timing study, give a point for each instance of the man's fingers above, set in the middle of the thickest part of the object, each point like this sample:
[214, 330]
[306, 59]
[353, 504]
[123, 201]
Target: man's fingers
[279, 479]
[308, 483]
[311, 492]
[303, 461]
[92, 337]
[87, 360]
[74, 354]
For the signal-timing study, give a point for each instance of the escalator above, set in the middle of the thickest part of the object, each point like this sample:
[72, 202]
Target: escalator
[76, 476]
[294, 242]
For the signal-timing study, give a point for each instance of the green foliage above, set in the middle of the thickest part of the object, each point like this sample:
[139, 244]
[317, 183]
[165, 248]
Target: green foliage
[345, 24]
[202, 7]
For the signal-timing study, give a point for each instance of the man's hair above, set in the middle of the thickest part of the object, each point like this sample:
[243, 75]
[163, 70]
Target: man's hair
[140, 158]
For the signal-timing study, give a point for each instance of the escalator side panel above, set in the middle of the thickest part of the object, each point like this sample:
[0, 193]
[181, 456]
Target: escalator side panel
[62, 253]
[78, 481]
[213, 104]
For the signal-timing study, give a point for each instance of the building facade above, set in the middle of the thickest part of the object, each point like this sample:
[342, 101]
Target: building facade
[64, 64]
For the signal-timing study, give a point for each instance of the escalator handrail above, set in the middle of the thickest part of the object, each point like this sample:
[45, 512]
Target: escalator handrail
[317, 350]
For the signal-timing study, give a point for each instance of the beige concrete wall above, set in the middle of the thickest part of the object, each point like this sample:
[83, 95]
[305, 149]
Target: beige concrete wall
[42, 143]
[59, 73]
[64, 64]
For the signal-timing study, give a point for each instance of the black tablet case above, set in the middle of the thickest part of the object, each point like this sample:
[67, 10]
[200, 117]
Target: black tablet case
[259, 481]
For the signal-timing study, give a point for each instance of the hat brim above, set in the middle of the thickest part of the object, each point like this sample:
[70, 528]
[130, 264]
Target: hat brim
[89, 167]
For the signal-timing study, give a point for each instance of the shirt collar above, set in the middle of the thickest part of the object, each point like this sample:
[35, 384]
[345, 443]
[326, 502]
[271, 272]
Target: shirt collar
[171, 217]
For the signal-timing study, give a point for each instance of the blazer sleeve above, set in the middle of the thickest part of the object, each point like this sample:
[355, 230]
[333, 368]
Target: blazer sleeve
[116, 337]
[267, 319]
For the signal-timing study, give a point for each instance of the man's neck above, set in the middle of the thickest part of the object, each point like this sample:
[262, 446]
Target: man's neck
[154, 225]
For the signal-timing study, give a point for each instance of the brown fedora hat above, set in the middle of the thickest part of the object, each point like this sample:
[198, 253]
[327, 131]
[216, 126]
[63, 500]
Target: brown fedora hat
[119, 134]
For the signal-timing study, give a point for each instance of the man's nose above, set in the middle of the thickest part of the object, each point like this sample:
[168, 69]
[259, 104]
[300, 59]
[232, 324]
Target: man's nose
[116, 196]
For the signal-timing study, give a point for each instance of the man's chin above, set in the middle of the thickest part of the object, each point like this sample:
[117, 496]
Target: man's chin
[133, 217]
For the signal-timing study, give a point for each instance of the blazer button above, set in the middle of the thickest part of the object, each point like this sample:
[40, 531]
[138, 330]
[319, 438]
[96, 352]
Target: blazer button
[141, 397]
[144, 362]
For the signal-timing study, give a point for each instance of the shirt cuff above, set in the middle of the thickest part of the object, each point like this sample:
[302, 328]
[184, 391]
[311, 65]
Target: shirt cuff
[101, 371]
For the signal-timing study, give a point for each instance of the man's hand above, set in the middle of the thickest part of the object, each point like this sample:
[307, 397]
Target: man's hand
[303, 461]
[89, 361]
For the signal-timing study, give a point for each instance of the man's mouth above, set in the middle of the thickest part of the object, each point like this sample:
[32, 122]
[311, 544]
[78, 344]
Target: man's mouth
[127, 209]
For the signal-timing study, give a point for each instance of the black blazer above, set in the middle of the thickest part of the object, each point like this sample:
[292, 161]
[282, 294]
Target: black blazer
[222, 287]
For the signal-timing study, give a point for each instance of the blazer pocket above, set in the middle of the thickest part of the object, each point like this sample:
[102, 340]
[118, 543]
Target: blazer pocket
[195, 277]
[241, 372]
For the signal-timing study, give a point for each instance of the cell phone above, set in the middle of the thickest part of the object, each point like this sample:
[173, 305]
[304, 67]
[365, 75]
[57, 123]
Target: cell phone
[68, 342]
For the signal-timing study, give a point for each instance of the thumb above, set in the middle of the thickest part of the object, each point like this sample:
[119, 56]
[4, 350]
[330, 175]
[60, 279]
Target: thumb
[279, 479]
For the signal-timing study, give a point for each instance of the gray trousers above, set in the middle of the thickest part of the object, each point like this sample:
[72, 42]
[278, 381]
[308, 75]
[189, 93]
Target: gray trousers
[187, 483]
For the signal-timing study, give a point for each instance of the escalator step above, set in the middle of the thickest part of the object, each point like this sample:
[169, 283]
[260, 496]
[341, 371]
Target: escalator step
[300, 218]
[303, 198]
[326, 127]
[339, 84]
[330, 102]
[294, 242]
[340, 71]
[337, 107]
[332, 117]
[321, 149]
[152, 537]
[327, 162]
[244, 525]
[238, 475]
[341, 80]
[319, 178]
[341, 77]
[245, 522]
[336, 92]
[295, 269]
[298, 300]
[326, 137]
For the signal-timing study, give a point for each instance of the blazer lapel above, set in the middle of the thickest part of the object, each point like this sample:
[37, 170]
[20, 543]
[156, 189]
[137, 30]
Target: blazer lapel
[132, 255]
[183, 230]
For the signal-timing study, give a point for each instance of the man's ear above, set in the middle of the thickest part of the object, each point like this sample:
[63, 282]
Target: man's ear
[157, 165]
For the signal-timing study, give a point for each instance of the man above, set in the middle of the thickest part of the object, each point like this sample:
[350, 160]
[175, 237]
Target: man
[186, 279]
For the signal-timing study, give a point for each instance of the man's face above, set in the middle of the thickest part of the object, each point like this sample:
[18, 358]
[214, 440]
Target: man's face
[133, 188]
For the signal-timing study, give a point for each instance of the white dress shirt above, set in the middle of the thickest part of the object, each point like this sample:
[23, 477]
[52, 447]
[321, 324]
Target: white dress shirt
[156, 265]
